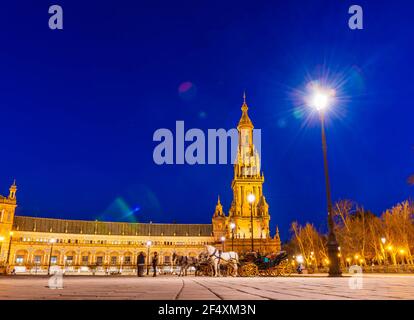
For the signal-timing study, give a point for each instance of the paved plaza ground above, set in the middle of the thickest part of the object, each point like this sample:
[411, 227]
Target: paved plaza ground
[188, 288]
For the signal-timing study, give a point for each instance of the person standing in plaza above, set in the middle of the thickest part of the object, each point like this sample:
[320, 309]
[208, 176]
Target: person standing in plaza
[140, 264]
[155, 264]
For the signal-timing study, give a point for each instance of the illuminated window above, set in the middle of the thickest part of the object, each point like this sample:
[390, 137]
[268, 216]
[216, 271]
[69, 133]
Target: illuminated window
[85, 260]
[69, 260]
[37, 259]
[19, 260]
[113, 260]
[99, 261]
[127, 260]
[53, 260]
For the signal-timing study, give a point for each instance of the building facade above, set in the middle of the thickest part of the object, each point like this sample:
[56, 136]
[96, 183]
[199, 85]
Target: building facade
[29, 244]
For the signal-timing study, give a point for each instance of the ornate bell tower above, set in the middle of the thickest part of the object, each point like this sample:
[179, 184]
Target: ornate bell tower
[248, 180]
[7, 209]
[237, 227]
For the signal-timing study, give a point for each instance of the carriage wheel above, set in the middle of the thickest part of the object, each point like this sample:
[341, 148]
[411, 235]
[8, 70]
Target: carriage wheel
[285, 268]
[289, 270]
[281, 268]
[249, 270]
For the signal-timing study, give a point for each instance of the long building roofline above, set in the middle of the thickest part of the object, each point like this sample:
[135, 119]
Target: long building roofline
[34, 224]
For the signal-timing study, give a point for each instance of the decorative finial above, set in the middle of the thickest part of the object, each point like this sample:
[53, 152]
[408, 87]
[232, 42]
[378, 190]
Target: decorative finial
[244, 107]
[218, 200]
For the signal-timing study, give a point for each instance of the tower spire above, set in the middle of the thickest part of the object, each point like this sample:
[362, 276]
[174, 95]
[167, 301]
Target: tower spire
[219, 209]
[277, 235]
[245, 121]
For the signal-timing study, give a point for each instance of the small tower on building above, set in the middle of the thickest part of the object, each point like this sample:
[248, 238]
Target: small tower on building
[219, 221]
[7, 209]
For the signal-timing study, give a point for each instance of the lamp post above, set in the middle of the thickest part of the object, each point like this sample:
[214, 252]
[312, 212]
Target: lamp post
[250, 198]
[149, 243]
[232, 227]
[8, 251]
[320, 101]
[52, 241]
[223, 238]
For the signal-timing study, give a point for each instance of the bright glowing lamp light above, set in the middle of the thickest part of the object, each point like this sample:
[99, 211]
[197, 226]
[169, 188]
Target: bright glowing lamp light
[223, 238]
[149, 243]
[299, 259]
[320, 98]
[232, 225]
[320, 101]
[251, 198]
[383, 240]
[1, 239]
[52, 240]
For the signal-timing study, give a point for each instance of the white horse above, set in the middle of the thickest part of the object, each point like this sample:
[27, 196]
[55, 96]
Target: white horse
[218, 257]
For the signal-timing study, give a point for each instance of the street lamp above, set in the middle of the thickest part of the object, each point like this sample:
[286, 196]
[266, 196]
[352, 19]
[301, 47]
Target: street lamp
[8, 251]
[223, 238]
[51, 241]
[149, 243]
[251, 198]
[232, 227]
[320, 101]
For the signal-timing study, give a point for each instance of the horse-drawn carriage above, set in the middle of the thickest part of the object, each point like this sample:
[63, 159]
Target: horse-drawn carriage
[214, 262]
[253, 264]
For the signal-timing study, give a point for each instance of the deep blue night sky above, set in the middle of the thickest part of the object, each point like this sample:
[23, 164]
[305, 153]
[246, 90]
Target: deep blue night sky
[79, 106]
